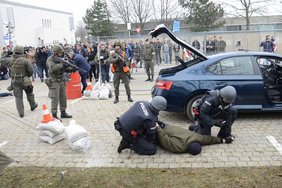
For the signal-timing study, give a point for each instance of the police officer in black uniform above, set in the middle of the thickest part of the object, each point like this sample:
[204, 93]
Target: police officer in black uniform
[137, 126]
[215, 109]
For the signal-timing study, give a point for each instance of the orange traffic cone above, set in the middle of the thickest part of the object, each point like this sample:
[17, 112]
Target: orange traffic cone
[89, 86]
[47, 117]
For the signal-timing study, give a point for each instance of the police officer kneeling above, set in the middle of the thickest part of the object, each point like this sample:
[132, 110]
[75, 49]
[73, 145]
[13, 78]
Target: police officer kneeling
[215, 109]
[137, 126]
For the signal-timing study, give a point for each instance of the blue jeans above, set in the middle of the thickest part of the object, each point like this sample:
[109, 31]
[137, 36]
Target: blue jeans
[166, 58]
[42, 68]
[105, 71]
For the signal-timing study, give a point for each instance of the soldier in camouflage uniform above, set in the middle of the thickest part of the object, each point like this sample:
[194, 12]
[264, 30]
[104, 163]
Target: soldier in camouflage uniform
[148, 59]
[21, 70]
[119, 61]
[56, 82]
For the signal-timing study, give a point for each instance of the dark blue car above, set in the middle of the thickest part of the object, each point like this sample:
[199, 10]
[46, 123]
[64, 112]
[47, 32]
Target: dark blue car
[257, 77]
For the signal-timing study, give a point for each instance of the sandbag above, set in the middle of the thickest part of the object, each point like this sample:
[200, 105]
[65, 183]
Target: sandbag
[75, 132]
[54, 126]
[81, 145]
[53, 140]
[47, 133]
[95, 95]
[104, 93]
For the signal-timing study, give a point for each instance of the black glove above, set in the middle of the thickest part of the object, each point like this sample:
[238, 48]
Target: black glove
[73, 69]
[161, 124]
[229, 139]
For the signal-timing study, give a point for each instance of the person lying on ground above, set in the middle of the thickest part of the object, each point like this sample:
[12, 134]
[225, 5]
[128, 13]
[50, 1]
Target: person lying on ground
[179, 140]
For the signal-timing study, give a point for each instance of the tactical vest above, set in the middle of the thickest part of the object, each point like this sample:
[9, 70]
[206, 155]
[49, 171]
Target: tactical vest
[18, 68]
[148, 50]
[119, 64]
[133, 119]
[57, 75]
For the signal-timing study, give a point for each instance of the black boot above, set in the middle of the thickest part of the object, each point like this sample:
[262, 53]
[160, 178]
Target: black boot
[148, 79]
[116, 100]
[55, 116]
[65, 115]
[129, 98]
[35, 106]
[123, 145]
[152, 79]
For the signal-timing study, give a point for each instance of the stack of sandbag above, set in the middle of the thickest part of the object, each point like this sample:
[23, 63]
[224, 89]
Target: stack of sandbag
[100, 92]
[51, 132]
[78, 137]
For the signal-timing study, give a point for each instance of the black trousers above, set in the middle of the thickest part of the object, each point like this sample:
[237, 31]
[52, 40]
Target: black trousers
[138, 143]
[229, 116]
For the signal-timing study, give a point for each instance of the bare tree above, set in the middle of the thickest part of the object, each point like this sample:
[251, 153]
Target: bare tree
[142, 11]
[81, 32]
[165, 11]
[121, 9]
[246, 8]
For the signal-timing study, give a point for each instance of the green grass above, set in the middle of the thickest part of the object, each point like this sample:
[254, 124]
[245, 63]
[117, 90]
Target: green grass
[29, 177]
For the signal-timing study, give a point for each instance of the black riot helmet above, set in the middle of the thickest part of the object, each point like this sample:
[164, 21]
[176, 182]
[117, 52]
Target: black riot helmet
[228, 94]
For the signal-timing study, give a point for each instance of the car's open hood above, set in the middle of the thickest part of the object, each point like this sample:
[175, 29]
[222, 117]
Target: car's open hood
[160, 29]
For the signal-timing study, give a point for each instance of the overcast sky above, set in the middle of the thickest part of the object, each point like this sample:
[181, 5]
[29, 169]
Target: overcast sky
[78, 7]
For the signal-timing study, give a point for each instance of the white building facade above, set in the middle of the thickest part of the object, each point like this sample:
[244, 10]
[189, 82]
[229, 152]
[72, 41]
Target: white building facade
[34, 26]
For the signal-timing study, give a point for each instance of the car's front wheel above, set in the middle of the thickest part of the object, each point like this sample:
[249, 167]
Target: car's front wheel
[192, 104]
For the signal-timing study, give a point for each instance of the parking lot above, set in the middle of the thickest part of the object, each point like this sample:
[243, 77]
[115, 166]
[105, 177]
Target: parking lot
[258, 136]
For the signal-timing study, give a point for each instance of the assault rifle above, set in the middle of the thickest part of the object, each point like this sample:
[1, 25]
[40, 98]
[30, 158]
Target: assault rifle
[72, 64]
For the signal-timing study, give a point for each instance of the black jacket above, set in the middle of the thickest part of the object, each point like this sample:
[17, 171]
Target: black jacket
[142, 118]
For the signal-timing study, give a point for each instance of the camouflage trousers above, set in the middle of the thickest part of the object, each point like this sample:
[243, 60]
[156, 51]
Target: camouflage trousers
[124, 77]
[57, 93]
[18, 93]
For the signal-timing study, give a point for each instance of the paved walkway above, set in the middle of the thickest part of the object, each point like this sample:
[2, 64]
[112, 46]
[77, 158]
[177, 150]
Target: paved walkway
[251, 147]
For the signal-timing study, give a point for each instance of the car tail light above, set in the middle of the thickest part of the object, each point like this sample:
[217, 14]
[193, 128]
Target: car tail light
[166, 85]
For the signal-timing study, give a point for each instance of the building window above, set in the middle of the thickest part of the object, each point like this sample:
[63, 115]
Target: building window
[46, 23]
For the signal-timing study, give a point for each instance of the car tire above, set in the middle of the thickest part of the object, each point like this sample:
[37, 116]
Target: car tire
[192, 103]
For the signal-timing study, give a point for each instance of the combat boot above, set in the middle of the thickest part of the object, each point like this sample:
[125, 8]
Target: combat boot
[148, 79]
[65, 115]
[116, 100]
[152, 79]
[55, 116]
[129, 98]
[123, 145]
[35, 106]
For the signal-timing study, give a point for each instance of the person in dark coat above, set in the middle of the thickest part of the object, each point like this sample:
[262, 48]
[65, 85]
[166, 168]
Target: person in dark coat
[267, 44]
[137, 126]
[81, 63]
[179, 140]
[41, 58]
[215, 109]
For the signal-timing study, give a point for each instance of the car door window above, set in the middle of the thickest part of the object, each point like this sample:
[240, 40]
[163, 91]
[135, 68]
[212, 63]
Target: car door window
[233, 66]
